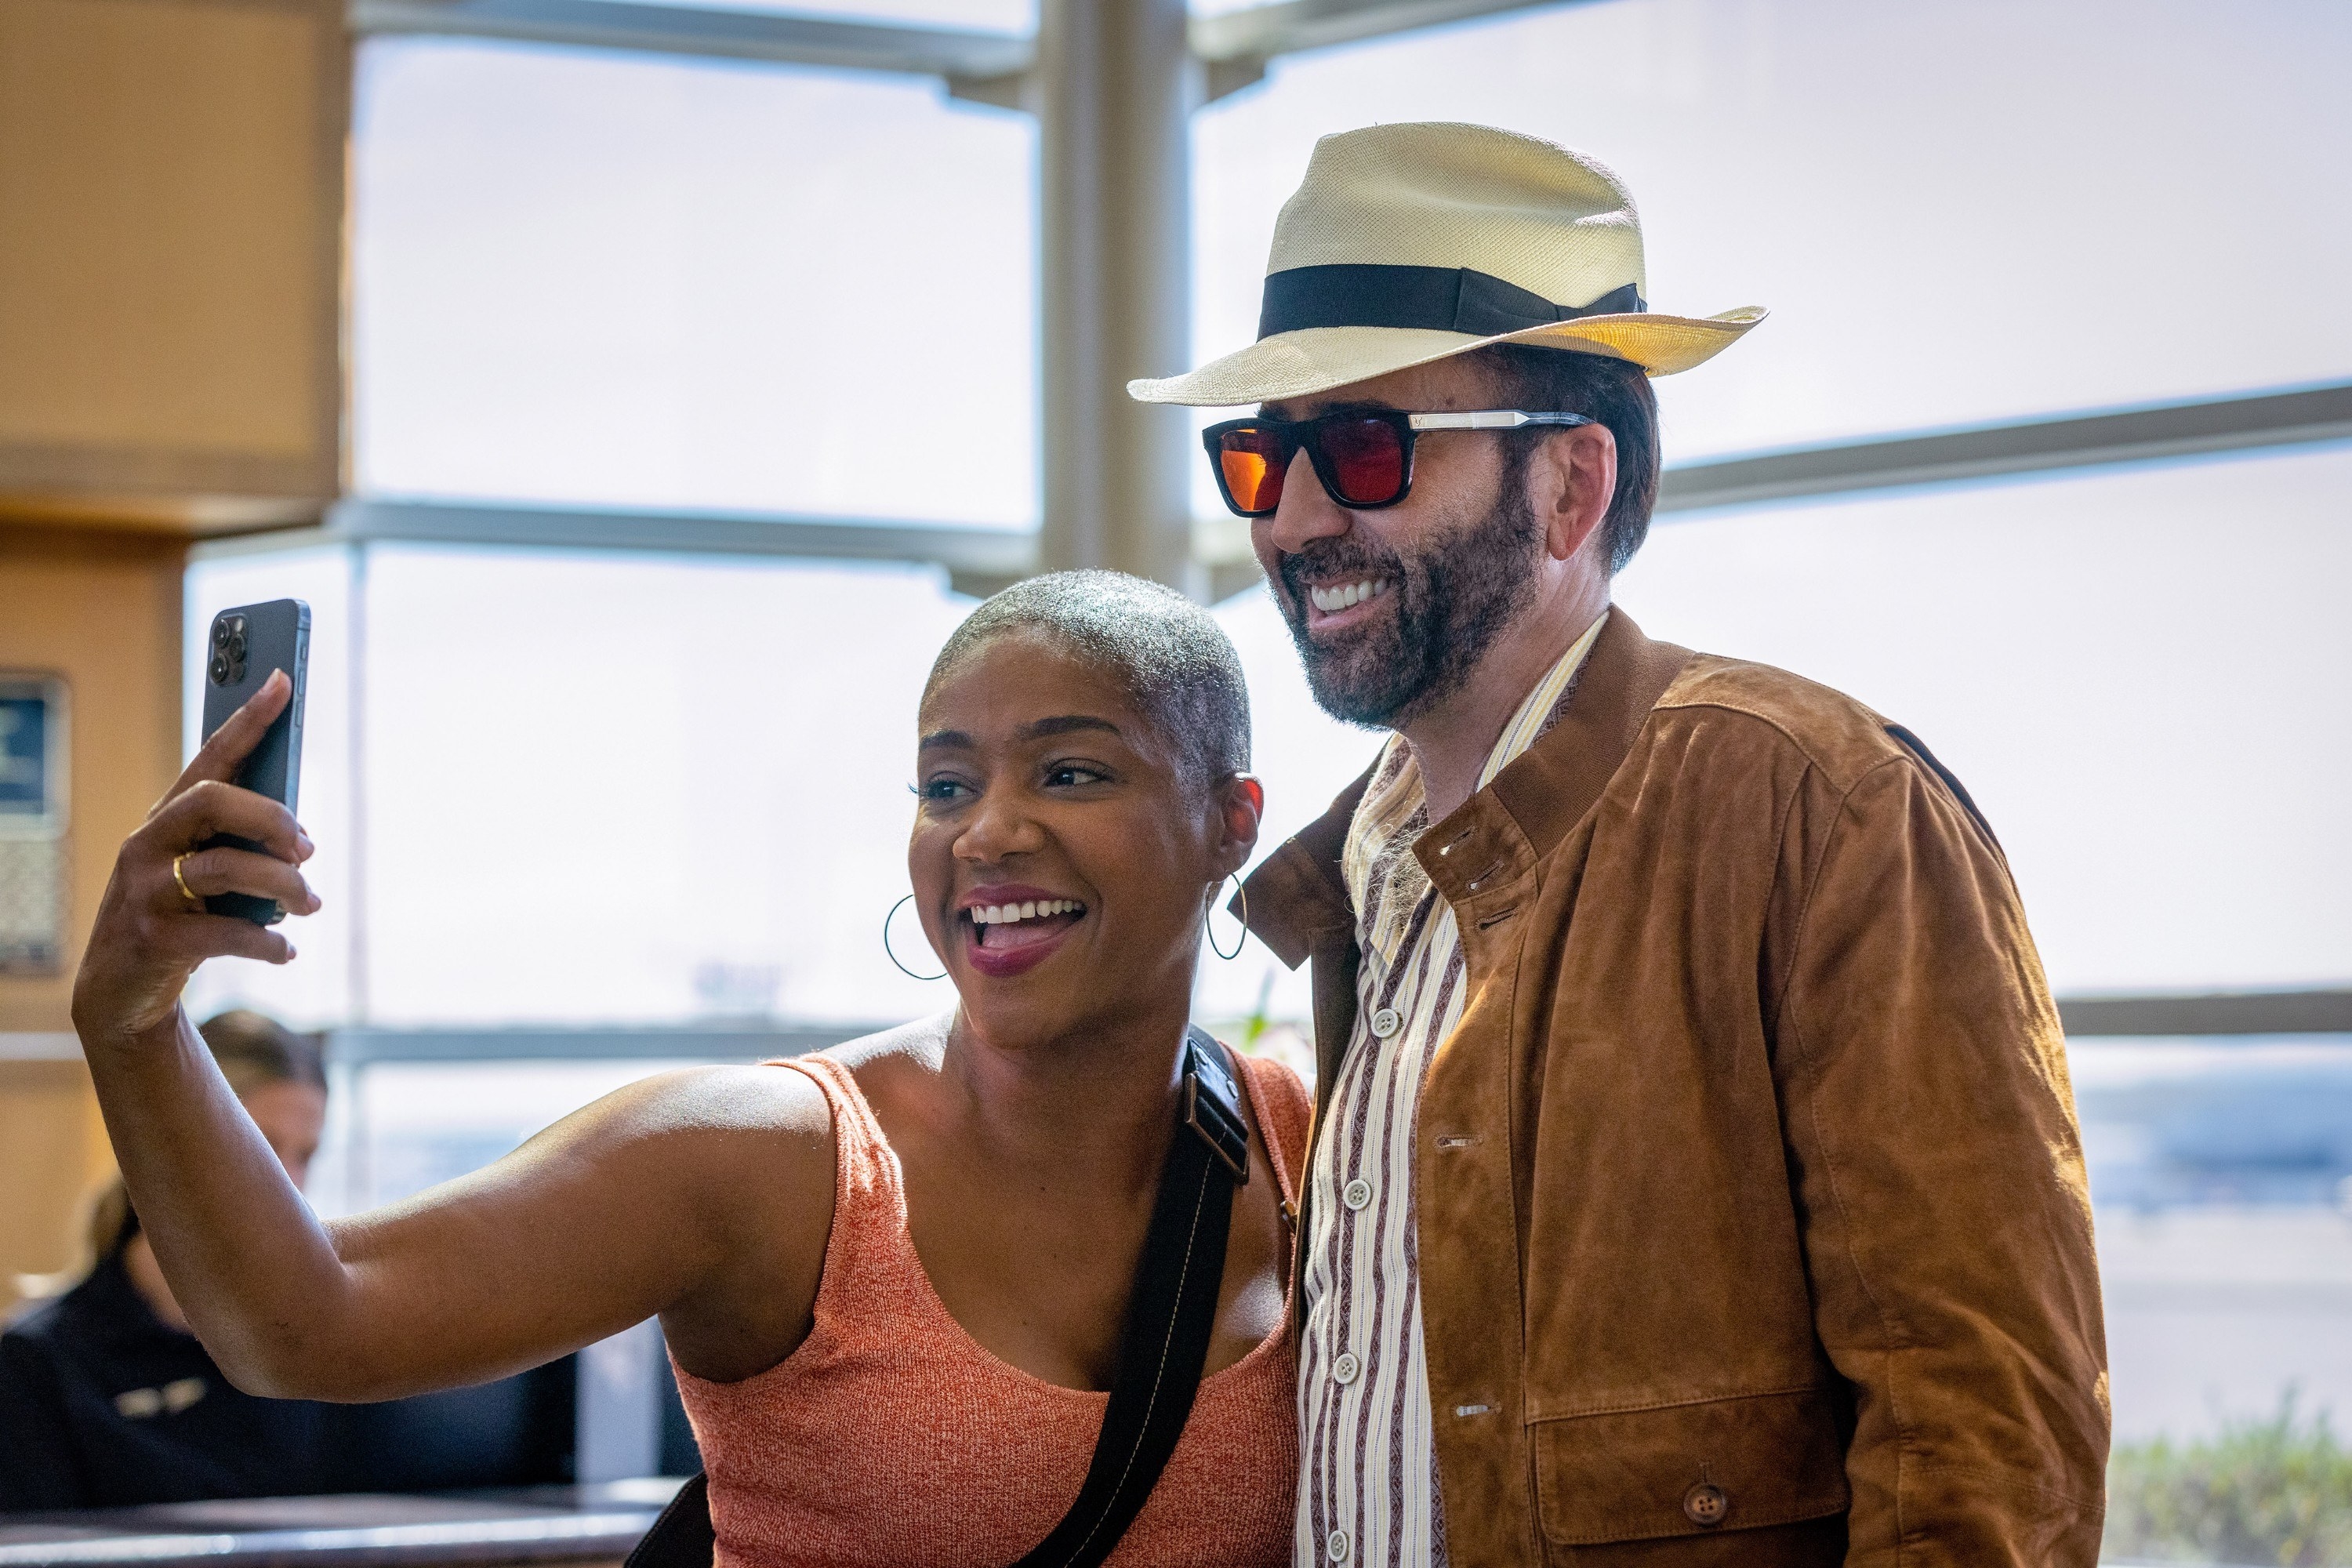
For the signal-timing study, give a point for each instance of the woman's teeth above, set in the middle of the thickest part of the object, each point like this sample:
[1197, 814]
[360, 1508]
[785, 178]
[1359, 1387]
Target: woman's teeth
[1339, 598]
[1007, 914]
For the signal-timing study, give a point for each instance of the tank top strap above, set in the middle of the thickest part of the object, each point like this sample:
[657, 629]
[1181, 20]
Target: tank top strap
[1279, 1102]
[871, 1268]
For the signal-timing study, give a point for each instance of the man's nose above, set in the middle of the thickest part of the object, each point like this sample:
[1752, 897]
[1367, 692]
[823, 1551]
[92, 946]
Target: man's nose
[1307, 512]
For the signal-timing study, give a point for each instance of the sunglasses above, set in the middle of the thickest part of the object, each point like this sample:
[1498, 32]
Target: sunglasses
[1364, 457]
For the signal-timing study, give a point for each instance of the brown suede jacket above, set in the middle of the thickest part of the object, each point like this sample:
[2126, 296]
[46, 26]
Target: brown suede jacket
[1754, 1225]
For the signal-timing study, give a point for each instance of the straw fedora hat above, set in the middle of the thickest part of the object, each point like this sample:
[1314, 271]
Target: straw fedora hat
[1410, 243]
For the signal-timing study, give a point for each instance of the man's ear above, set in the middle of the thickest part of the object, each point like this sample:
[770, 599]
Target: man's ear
[1575, 473]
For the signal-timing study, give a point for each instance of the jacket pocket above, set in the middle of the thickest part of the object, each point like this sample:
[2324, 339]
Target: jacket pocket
[1689, 1469]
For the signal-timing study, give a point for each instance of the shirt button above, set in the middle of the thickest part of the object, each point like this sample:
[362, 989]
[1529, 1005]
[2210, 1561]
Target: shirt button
[1706, 1505]
[1335, 1546]
[1346, 1368]
[1357, 1194]
[1386, 1022]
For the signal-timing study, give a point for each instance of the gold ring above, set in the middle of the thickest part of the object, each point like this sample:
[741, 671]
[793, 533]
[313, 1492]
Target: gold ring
[193, 903]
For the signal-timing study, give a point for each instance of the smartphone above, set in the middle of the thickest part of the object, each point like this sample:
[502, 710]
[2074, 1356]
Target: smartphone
[247, 643]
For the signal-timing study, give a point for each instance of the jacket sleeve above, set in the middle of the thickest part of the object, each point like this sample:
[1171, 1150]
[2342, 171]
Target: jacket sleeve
[1939, 1174]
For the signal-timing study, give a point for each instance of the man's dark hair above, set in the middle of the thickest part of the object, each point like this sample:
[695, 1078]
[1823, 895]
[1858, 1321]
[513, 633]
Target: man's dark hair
[1168, 655]
[1613, 392]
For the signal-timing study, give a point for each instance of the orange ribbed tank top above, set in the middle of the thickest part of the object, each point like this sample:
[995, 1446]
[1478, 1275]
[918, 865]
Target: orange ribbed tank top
[890, 1438]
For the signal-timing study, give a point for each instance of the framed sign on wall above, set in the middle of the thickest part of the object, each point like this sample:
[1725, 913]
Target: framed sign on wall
[33, 792]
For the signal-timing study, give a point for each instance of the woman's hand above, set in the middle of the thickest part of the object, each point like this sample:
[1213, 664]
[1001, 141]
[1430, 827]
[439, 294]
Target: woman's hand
[149, 935]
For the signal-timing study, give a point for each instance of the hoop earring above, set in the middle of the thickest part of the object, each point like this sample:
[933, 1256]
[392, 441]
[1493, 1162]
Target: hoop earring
[910, 973]
[1241, 893]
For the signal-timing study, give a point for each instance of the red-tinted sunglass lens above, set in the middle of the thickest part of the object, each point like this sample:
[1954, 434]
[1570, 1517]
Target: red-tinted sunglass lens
[1252, 462]
[1366, 460]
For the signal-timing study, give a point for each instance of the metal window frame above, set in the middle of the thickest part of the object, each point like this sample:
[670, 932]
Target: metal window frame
[366, 1045]
[2235, 423]
[979, 560]
[1240, 41]
[2206, 1015]
[2212, 1015]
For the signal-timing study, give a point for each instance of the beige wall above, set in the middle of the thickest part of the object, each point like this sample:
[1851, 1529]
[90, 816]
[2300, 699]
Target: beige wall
[171, 238]
[53, 1155]
[103, 610]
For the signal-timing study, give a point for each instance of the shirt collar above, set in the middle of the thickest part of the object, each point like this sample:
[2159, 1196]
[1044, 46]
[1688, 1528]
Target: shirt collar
[1536, 708]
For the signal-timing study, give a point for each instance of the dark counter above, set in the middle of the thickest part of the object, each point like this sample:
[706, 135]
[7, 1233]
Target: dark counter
[536, 1524]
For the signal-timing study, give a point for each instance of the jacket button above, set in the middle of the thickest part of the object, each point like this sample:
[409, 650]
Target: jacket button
[1385, 1023]
[1706, 1505]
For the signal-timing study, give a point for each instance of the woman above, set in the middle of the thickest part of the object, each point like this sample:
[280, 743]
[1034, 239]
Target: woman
[107, 1399]
[893, 1277]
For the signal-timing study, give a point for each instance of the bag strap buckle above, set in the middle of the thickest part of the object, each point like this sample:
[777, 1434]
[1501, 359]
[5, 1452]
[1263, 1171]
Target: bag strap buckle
[1213, 1104]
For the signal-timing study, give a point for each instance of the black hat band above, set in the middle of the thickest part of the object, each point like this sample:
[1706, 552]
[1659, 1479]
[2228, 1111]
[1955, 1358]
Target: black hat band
[1448, 298]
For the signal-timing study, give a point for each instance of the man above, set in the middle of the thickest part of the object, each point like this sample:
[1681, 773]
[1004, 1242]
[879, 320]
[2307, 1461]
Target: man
[1696, 1177]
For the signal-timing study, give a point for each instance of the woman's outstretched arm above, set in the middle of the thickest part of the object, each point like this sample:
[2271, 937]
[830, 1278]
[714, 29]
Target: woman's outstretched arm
[704, 1195]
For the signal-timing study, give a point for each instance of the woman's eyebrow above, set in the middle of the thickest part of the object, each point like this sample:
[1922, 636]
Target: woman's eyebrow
[944, 739]
[1063, 724]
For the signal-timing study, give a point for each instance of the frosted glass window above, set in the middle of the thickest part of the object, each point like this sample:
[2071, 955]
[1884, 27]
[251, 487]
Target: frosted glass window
[1957, 212]
[414, 1125]
[623, 789]
[2138, 673]
[597, 279]
[2220, 1169]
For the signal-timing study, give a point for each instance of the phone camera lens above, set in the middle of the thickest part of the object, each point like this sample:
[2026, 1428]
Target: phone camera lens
[227, 666]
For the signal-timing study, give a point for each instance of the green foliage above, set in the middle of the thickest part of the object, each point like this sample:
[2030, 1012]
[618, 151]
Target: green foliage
[2275, 1490]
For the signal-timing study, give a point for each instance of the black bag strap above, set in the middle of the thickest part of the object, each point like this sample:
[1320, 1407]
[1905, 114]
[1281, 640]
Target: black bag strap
[1170, 1315]
[682, 1537]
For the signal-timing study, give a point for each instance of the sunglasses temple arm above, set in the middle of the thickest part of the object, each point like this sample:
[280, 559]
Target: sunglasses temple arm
[1492, 419]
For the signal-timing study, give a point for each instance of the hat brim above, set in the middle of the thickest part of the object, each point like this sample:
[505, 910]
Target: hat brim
[1318, 359]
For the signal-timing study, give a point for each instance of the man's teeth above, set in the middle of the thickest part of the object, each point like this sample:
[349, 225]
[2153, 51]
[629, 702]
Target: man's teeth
[1007, 914]
[1339, 598]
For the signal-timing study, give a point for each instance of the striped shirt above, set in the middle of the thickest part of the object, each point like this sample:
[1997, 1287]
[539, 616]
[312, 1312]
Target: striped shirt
[1368, 1479]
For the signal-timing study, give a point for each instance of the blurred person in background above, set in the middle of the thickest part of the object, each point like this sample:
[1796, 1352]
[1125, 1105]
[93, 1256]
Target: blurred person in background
[895, 1276]
[108, 1399]
[1696, 1177]
[106, 1396]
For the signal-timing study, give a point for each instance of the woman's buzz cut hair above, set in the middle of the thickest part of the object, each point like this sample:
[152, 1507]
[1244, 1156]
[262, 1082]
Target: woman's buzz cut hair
[1168, 654]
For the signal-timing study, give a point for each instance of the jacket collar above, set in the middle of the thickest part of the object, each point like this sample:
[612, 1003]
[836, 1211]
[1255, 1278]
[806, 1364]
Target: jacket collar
[1551, 784]
[1297, 898]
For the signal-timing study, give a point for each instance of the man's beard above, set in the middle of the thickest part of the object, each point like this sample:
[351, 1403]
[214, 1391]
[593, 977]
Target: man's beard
[1453, 597]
